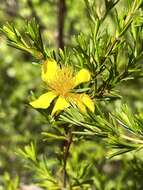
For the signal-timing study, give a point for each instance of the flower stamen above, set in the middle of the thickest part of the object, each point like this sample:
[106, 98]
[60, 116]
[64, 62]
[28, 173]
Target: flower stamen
[63, 81]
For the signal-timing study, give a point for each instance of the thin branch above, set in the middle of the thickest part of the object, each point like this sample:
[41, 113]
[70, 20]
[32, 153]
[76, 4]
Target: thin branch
[66, 153]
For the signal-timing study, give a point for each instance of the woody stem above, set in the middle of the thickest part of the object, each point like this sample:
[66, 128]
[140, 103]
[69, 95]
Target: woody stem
[66, 153]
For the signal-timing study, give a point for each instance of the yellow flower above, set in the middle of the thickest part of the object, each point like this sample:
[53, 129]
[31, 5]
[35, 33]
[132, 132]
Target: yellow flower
[60, 82]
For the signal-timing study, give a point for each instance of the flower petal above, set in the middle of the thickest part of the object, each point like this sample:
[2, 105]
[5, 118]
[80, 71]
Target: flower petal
[88, 102]
[82, 76]
[43, 101]
[60, 105]
[81, 106]
[76, 99]
[82, 101]
[49, 69]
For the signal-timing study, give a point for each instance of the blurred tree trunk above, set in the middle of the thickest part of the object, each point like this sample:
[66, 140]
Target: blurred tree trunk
[61, 22]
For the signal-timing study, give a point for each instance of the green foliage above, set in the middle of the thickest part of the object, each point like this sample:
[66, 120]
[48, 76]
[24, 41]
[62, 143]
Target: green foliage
[86, 150]
[39, 167]
[8, 183]
[122, 130]
[32, 44]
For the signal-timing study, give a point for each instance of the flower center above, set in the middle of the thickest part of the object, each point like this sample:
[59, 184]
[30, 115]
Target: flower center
[63, 81]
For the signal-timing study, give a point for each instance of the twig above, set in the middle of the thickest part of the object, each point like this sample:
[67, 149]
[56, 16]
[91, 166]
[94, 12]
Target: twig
[66, 153]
